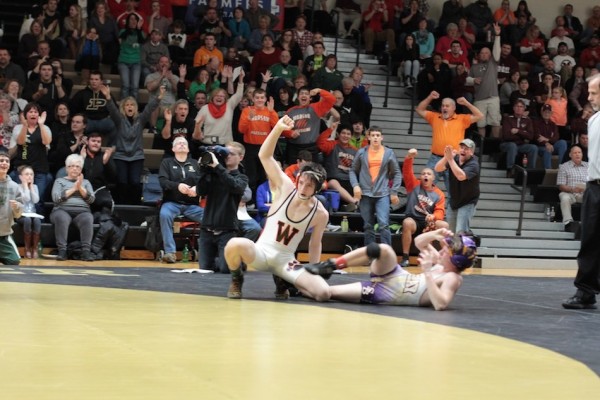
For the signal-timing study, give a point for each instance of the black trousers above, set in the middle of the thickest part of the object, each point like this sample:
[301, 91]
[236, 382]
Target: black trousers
[588, 259]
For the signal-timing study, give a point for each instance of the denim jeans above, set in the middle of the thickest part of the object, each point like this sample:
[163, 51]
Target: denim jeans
[211, 246]
[460, 219]
[130, 79]
[168, 212]
[250, 229]
[512, 149]
[376, 210]
[560, 148]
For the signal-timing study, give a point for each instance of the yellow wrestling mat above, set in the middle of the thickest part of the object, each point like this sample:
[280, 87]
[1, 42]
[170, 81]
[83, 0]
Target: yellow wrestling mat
[73, 342]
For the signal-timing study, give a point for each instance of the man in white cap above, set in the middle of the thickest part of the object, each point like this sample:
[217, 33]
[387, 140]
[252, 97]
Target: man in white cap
[464, 184]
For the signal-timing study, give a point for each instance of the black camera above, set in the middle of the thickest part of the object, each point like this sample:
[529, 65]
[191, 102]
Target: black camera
[220, 153]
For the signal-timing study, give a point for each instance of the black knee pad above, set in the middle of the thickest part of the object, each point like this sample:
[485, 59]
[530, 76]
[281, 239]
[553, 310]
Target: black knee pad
[373, 251]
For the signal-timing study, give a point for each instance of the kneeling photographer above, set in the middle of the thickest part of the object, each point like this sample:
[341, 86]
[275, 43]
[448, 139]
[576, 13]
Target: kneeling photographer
[223, 185]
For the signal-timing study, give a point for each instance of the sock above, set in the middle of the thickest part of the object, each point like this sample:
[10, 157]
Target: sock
[236, 274]
[405, 256]
[341, 263]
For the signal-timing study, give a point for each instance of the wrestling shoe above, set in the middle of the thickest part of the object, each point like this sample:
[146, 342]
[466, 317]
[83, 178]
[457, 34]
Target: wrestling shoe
[235, 288]
[405, 262]
[324, 269]
[281, 288]
[580, 301]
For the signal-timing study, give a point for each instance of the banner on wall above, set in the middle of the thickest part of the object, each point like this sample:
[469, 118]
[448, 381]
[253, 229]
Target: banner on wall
[275, 7]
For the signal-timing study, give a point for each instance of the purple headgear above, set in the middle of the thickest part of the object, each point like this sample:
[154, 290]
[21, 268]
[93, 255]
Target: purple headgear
[463, 251]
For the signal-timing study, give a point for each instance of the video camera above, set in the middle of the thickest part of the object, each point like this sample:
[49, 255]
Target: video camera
[220, 153]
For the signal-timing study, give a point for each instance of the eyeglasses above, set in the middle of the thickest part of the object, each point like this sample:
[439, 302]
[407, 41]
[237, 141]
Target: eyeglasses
[73, 166]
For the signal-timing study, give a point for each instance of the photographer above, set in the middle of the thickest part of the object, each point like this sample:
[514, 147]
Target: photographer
[223, 185]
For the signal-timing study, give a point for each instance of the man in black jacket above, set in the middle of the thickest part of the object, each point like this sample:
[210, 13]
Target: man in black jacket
[178, 176]
[223, 185]
[93, 104]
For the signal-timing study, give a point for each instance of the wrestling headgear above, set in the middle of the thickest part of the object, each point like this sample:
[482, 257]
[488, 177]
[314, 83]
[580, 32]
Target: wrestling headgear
[315, 172]
[463, 251]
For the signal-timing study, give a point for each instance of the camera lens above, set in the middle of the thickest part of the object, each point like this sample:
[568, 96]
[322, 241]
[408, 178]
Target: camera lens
[206, 159]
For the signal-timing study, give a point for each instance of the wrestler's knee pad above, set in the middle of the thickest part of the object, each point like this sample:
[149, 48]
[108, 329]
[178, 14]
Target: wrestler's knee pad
[373, 251]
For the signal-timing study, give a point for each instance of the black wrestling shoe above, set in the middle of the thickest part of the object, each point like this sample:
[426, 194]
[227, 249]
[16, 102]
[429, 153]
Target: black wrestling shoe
[580, 301]
[281, 288]
[324, 269]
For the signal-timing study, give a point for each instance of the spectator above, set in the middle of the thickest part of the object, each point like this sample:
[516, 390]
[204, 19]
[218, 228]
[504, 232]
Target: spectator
[75, 27]
[203, 55]
[178, 176]
[507, 89]
[448, 128]
[558, 103]
[547, 138]
[563, 63]
[425, 40]
[163, 77]
[532, 45]
[456, 56]
[362, 89]
[123, 17]
[255, 42]
[444, 43]
[467, 34]
[176, 41]
[408, 58]
[459, 85]
[158, 20]
[61, 126]
[287, 42]
[571, 180]
[302, 36]
[348, 11]
[151, 53]
[307, 122]
[72, 196]
[480, 17]
[560, 36]
[12, 209]
[409, 19]
[178, 123]
[129, 146]
[89, 55]
[464, 184]
[576, 87]
[72, 142]
[13, 90]
[518, 136]
[544, 89]
[91, 102]
[484, 76]
[375, 178]
[376, 19]
[223, 185]
[254, 12]
[47, 90]
[53, 28]
[590, 56]
[507, 63]
[256, 121]
[572, 23]
[359, 136]
[339, 156]
[315, 61]
[31, 221]
[504, 16]
[28, 45]
[28, 146]
[328, 77]
[263, 59]
[108, 33]
[99, 168]
[131, 39]
[514, 34]
[216, 116]
[523, 9]
[9, 70]
[8, 120]
[239, 28]
[452, 11]
[281, 74]
[435, 77]
[211, 23]
[425, 207]
[592, 24]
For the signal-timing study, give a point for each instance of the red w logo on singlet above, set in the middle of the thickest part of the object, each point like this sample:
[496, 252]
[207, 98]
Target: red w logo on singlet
[283, 232]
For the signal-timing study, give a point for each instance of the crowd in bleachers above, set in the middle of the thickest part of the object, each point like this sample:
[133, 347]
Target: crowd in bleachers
[188, 58]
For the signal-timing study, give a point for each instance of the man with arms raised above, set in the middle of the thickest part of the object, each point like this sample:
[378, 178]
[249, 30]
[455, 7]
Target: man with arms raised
[294, 211]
